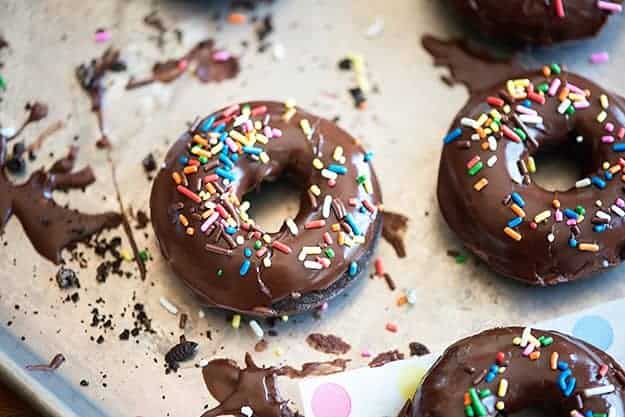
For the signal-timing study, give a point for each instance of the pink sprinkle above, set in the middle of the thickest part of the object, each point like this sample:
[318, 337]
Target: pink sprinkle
[575, 89]
[102, 36]
[528, 349]
[327, 238]
[268, 132]
[261, 252]
[559, 5]
[323, 261]
[324, 306]
[204, 227]
[599, 58]
[607, 139]
[391, 327]
[526, 110]
[276, 132]
[609, 6]
[581, 104]
[609, 127]
[366, 353]
[231, 110]
[620, 202]
[231, 145]
[221, 56]
[621, 133]
[559, 216]
[603, 370]
[571, 222]
[332, 183]
[555, 84]
[353, 202]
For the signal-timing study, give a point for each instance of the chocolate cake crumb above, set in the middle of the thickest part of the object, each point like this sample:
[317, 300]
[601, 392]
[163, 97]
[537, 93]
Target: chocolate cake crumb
[149, 163]
[180, 352]
[183, 320]
[418, 349]
[100, 340]
[261, 346]
[84, 383]
[67, 278]
[327, 343]
[142, 220]
[386, 357]
[125, 335]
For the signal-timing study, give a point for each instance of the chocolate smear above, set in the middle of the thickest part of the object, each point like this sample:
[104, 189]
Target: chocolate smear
[469, 65]
[54, 364]
[315, 368]
[328, 343]
[252, 387]
[208, 66]
[43, 136]
[386, 357]
[36, 112]
[394, 226]
[50, 227]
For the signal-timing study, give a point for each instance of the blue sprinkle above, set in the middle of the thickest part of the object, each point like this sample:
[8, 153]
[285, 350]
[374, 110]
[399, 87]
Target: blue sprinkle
[527, 103]
[223, 137]
[252, 150]
[490, 377]
[570, 214]
[353, 269]
[230, 230]
[352, 223]
[247, 252]
[570, 387]
[183, 160]
[245, 267]
[589, 414]
[362, 209]
[226, 161]
[219, 128]
[562, 379]
[515, 222]
[618, 147]
[600, 228]
[225, 174]
[572, 242]
[494, 368]
[598, 182]
[608, 175]
[234, 157]
[453, 135]
[368, 156]
[563, 366]
[339, 169]
[206, 124]
[516, 197]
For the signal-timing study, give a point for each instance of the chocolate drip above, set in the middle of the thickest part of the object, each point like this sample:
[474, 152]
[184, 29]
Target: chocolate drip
[394, 227]
[314, 368]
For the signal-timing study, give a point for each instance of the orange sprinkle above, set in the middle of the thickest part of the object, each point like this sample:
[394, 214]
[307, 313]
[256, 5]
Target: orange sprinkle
[210, 188]
[335, 227]
[546, 71]
[237, 18]
[564, 93]
[177, 177]
[467, 399]
[553, 361]
[200, 140]
[190, 169]
[614, 169]
[183, 220]
[556, 203]
[512, 234]
[402, 300]
[484, 146]
[535, 355]
[479, 186]
[517, 210]
[190, 231]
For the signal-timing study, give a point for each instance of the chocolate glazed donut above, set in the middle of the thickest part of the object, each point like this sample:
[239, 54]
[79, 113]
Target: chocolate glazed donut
[208, 238]
[485, 188]
[503, 371]
[537, 21]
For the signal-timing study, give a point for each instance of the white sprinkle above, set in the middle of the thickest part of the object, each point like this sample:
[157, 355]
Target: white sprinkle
[475, 137]
[492, 143]
[564, 105]
[239, 240]
[542, 216]
[526, 118]
[375, 29]
[619, 211]
[7, 132]
[244, 206]
[312, 265]
[603, 215]
[599, 203]
[167, 305]
[258, 331]
[308, 250]
[465, 121]
[583, 183]
[278, 51]
[604, 389]
[247, 411]
[605, 263]
[329, 175]
[267, 261]
[612, 411]
[579, 139]
[525, 336]
[203, 362]
[551, 237]
[325, 210]
[411, 296]
[290, 224]
[201, 314]
[491, 161]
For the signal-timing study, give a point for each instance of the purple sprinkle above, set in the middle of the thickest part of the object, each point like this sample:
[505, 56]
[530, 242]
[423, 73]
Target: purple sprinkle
[599, 57]
[221, 56]
[102, 36]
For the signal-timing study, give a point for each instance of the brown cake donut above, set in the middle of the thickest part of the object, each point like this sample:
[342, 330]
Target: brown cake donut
[485, 188]
[506, 370]
[537, 21]
[210, 241]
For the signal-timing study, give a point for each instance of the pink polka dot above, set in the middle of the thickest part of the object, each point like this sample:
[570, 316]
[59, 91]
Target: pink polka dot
[331, 400]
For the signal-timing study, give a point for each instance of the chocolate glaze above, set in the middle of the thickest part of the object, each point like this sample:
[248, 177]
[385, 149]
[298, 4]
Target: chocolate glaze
[49, 227]
[201, 57]
[531, 383]
[286, 287]
[533, 21]
[479, 218]
[251, 387]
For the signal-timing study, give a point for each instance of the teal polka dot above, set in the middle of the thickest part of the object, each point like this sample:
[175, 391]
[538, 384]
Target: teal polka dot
[595, 330]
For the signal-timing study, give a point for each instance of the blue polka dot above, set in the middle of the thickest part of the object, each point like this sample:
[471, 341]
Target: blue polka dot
[595, 330]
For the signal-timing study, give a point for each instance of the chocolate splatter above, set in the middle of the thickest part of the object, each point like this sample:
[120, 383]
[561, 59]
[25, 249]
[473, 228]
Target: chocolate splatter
[386, 357]
[468, 64]
[50, 227]
[251, 387]
[155, 21]
[91, 79]
[328, 343]
[418, 349]
[3, 43]
[315, 368]
[208, 65]
[394, 226]
[54, 364]
[142, 220]
[36, 112]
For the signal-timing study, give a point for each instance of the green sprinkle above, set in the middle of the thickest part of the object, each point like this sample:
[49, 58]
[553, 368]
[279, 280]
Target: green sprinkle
[143, 255]
[361, 179]
[570, 111]
[484, 393]
[468, 411]
[3, 84]
[599, 415]
[220, 272]
[580, 210]
[543, 88]
[460, 259]
[476, 168]
[520, 133]
[329, 252]
[547, 341]
[203, 159]
[555, 68]
[478, 407]
[258, 244]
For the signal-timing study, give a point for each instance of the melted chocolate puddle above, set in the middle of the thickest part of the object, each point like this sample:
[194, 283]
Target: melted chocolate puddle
[208, 65]
[394, 226]
[50, 227]
[469, 65]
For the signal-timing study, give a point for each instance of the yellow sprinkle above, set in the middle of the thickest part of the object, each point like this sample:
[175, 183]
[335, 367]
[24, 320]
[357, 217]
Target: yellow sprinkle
[183, 220]
[278, 351]
[290, 103]
[289, 114]
[507, 109]
[553, 361]
[512, 234]
[542, 216]
[516, 341]
[251, 138]
[335, 227]
[363, 82]
[260, 138]
[338, 153]
[206, 214]
[126, 255]
[267, 238]
[517, 210]
[231, 222]
[341, 238]
[602, 116]
[264, 157]
[495, 114]
[315, 190]
[305, 125]
[500, 405]
[238, 136]
[510, 87]
[176, 177]
[577, 97]
[503, 387]
[523, 82]
[368, 186]
[603, 99]
[480, 184]
[190, 231]
[605, 165]
[588, 247]
[494, 127]
[317, 164]
[482, 119]
[201, 152]
[555, 203]
[284, 318]
[531, 164]
[236, 321]
[358, 239]
[502, 369]
[210, 188]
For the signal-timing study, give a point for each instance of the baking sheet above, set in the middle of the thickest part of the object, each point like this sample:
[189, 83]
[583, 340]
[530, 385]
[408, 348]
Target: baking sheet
[402, 125]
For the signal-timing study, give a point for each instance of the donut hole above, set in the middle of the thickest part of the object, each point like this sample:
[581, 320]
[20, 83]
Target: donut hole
[272, 201]
[559, 167]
